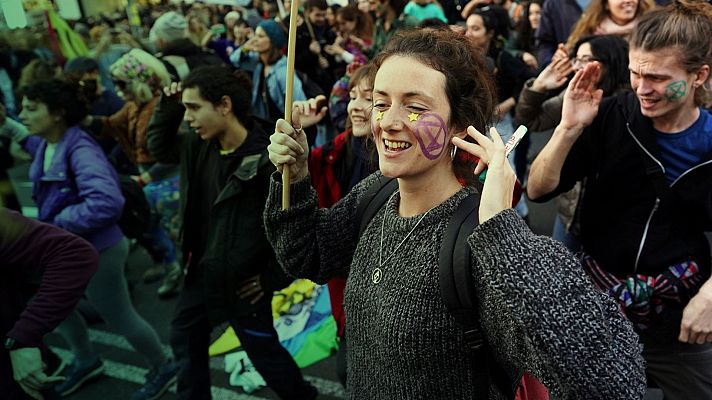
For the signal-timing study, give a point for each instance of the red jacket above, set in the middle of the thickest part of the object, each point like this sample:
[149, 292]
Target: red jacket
[328, 188]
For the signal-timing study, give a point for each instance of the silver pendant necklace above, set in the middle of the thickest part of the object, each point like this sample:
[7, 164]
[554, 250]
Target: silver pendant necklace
[377, 274]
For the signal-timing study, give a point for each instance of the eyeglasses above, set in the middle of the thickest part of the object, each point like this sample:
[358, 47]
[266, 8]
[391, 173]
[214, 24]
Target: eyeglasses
[583, 60]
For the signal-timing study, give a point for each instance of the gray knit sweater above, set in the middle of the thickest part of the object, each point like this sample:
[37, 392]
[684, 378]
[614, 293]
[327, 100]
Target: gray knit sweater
[539, 312]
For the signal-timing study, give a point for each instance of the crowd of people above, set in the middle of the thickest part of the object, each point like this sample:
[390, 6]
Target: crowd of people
[170, 136]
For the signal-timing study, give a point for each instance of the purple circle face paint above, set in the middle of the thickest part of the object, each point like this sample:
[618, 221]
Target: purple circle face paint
[431, 132]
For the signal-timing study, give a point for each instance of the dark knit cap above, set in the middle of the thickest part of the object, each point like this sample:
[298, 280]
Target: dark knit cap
[276, 33]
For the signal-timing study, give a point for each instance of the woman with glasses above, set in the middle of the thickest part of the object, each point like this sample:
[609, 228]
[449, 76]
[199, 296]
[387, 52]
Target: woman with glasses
[539, 106]
[138, 77]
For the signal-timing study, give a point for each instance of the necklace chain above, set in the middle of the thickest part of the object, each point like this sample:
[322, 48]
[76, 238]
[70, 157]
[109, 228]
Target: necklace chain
[382, 262]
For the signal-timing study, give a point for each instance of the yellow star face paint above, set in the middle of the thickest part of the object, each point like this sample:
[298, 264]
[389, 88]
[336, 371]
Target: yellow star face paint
[413, 117]
[379, 115]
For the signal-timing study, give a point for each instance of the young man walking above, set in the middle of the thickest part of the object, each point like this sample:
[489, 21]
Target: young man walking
[231, 268]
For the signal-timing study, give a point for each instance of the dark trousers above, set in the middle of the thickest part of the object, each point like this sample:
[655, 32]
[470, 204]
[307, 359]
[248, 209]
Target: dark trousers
[683, 371]
[190, 339]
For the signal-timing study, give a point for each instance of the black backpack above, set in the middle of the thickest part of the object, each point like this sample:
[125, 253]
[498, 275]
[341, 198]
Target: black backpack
[456, 285]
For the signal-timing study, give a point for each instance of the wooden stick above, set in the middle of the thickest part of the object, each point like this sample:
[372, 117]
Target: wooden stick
[291, 54]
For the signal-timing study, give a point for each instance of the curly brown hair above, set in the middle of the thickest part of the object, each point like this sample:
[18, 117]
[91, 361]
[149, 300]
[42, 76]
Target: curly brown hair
[469, 86]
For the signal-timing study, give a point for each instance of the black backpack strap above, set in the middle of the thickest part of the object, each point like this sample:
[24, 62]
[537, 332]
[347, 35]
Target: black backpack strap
[457, 289]
[375, 197]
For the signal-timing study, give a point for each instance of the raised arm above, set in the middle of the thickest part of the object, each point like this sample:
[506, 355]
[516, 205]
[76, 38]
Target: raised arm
[164, 142]
[309, 242]
[579, 108]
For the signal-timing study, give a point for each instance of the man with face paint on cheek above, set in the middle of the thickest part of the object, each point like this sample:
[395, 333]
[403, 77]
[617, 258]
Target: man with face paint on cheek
[420, 113]
[646, 160]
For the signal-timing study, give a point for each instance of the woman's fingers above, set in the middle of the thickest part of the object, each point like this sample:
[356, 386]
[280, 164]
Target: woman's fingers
[469, 147]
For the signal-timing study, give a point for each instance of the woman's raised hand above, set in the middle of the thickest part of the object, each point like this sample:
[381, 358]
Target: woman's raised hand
[582, 98]
[498, 189]
[553, 76]
[288, 146]
[173, 90]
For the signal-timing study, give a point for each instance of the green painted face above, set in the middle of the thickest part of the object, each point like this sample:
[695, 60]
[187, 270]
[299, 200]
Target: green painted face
[675, 91]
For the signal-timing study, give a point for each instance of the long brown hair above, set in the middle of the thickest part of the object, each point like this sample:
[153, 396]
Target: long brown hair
[596, 12]
[364, 23]
[685, 25]
[469, 86]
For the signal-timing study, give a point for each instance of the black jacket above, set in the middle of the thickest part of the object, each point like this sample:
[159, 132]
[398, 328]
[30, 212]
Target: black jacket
[626, 225]
[236, 245]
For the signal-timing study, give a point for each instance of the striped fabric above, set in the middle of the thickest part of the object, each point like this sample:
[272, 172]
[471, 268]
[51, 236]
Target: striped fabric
[639, 295]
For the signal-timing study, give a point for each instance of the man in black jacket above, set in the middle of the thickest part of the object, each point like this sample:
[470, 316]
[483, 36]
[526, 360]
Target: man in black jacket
[231, 268]
[646, 162]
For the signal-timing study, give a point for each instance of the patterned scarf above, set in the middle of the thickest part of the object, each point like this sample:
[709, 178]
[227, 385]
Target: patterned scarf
[640, 296]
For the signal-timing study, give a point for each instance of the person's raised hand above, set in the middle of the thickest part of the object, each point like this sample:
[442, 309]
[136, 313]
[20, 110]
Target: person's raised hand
[553, 76]
[498, 189]
[530, 60]
[28, 371]
[582, 98]
[173, 91]
[288, 146]
[311, 111]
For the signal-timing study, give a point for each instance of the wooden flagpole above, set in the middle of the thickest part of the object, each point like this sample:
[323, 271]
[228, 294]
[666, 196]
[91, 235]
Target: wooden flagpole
[291, 54]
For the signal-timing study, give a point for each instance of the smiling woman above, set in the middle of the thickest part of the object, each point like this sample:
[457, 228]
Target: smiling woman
[609, 17]
[431, 91]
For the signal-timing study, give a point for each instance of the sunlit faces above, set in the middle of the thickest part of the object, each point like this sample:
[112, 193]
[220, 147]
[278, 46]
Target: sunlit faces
[359, 108]
[409, 120]
[622, 11]
[663, 87]
[534, 15]
[202, 115]
[477, 32]
[262, 43]
[36, 117]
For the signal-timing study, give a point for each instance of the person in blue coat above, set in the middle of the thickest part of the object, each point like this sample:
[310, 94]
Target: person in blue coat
[76, 189]
[262, 56]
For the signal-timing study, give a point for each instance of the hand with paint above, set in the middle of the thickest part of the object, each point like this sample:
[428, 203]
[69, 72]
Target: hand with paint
[289, 146]
[499, 187]
[582, 99]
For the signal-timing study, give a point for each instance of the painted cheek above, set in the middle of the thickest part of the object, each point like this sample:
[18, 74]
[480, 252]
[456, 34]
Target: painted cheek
[676, 91]
[375, 125]
[431, 132]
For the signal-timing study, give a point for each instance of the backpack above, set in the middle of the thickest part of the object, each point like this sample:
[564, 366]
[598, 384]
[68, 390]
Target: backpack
[456, 285]
[136, 215]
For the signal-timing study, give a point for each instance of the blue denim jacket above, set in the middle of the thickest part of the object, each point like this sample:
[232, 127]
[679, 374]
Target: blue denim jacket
[80, 191]
[276, 81]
